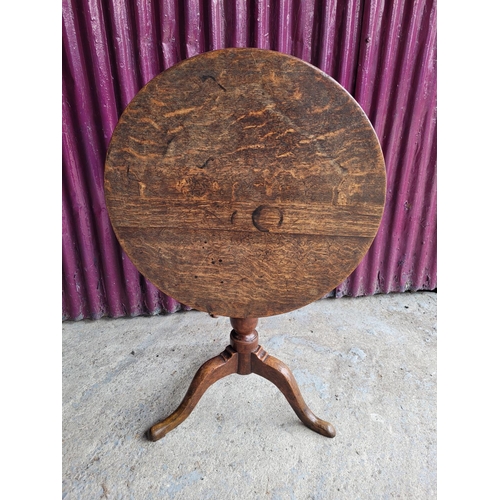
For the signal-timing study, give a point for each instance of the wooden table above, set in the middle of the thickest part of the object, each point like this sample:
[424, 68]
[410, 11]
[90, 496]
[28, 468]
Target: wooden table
[244, 183]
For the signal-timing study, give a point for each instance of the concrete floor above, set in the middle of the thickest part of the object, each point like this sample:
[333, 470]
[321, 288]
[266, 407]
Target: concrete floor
[367, 365]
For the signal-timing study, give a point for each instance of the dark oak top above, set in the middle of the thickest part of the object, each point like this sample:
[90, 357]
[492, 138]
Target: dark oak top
[244, 182]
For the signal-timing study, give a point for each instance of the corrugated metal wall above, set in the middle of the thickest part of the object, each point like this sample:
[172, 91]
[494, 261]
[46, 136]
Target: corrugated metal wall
[383, 53]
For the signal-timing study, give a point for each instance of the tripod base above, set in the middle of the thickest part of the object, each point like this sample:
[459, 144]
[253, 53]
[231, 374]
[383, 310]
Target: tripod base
[244, 356]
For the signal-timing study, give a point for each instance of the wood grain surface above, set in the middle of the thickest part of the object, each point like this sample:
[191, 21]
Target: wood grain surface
[244, 182]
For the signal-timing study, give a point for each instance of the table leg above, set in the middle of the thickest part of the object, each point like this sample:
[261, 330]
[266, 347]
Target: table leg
[214, 369]
[281, 376]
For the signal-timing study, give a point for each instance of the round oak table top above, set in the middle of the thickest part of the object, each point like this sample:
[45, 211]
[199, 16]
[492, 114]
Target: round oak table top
[244, 182]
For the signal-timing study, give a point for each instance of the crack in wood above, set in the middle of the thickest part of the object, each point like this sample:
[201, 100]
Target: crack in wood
[204, 78]
[205, 164]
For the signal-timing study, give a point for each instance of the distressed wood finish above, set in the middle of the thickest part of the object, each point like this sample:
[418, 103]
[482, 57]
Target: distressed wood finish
[244, 183]
[243, 356]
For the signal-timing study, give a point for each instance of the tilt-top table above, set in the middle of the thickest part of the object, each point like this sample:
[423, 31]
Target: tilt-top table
[244, 183]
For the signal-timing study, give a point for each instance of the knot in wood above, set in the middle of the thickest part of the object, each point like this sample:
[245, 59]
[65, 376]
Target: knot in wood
[266, 218]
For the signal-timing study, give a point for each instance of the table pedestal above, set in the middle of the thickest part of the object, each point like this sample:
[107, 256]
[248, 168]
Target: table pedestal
[244, 355]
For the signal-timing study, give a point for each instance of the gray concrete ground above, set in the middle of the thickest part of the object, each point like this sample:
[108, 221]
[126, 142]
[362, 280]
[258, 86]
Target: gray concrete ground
[367, 365]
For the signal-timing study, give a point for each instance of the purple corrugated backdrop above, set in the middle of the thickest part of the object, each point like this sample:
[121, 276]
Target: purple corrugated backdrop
[383, 53]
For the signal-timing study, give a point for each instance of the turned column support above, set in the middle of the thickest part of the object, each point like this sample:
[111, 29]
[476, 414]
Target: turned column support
[244, 340]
